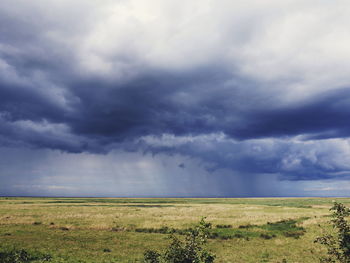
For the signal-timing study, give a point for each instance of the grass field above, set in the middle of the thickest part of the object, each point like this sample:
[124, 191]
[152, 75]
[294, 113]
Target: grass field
[121, 229]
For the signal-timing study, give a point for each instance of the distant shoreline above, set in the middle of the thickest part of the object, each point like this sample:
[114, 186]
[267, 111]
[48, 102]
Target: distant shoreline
[173, 197]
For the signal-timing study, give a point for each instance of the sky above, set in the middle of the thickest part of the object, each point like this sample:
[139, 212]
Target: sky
[200, 98]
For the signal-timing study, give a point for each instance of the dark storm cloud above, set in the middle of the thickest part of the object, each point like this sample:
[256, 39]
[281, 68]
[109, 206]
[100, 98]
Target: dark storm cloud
[142, 106]
[179, 104]
[79, 86]
[26, 103]
[187, 105]
[325, 116]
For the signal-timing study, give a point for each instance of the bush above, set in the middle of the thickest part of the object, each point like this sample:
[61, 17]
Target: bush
[267, 236]
[223, 226]
[151, 256]
[190, 250]
[247, 226]
[295, 234]
[22, 256]
[338, 244]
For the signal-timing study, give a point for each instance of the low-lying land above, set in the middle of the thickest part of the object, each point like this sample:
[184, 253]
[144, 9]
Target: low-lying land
[121, 229]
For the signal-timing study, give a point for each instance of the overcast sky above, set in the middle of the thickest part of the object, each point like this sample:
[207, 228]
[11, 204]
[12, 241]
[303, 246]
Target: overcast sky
[175, 98]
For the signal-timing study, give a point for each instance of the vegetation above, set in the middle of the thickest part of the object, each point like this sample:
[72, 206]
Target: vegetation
[338, 244]
[22, 256]
[109, 230]
[286, 228]
[190, 250]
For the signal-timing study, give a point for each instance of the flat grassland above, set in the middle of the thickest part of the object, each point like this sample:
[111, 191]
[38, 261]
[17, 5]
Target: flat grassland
[121, 229]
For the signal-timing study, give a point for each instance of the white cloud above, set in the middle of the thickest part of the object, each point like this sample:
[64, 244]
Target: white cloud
[301, 46]
[303, 42]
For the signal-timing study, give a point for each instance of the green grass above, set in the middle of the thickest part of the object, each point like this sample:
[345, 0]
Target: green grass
[288, 228]
[121, 229]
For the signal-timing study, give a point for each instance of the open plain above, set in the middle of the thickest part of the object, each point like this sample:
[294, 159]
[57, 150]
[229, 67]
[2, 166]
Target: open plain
[121, 229]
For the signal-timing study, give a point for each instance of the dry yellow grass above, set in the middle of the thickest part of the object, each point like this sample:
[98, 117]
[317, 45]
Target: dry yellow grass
[90, 222]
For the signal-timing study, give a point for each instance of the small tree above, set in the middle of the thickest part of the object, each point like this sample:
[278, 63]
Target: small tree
[338, 244]
[190, 250]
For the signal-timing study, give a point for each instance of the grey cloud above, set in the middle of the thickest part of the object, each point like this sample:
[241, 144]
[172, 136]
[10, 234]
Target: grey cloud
[128, 70]
[290, 159]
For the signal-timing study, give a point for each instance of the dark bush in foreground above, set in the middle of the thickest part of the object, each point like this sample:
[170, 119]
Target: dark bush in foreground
[190, 250]
[151, 256]
[22, 256]
[338, 244]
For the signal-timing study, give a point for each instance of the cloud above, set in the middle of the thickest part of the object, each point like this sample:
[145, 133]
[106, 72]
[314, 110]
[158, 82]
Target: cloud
[253, 88]
[291, 159]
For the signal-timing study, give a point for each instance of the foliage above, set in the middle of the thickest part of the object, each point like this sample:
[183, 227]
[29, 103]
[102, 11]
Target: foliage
[287, 228]
[22, 256]
[338, 244]
[190, 250]
[152, 256]
[90, 225]
[223, 226]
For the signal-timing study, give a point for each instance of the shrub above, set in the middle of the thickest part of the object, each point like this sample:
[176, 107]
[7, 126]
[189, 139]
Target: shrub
[162, 230]
[189, 250]
[223, 226]
[214, 235]
[338, 244]
[22, 256]
[295, 234]
[151, 256]
[267, 236]
[247, 226]
[238, 235]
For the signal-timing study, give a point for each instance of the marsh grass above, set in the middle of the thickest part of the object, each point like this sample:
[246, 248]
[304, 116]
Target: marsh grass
[90, 222]
[287, 228]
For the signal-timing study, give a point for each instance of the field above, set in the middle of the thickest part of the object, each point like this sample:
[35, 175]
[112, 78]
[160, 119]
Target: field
[121, 229]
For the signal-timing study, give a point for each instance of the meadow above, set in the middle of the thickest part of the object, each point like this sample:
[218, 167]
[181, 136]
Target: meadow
[121, 229]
